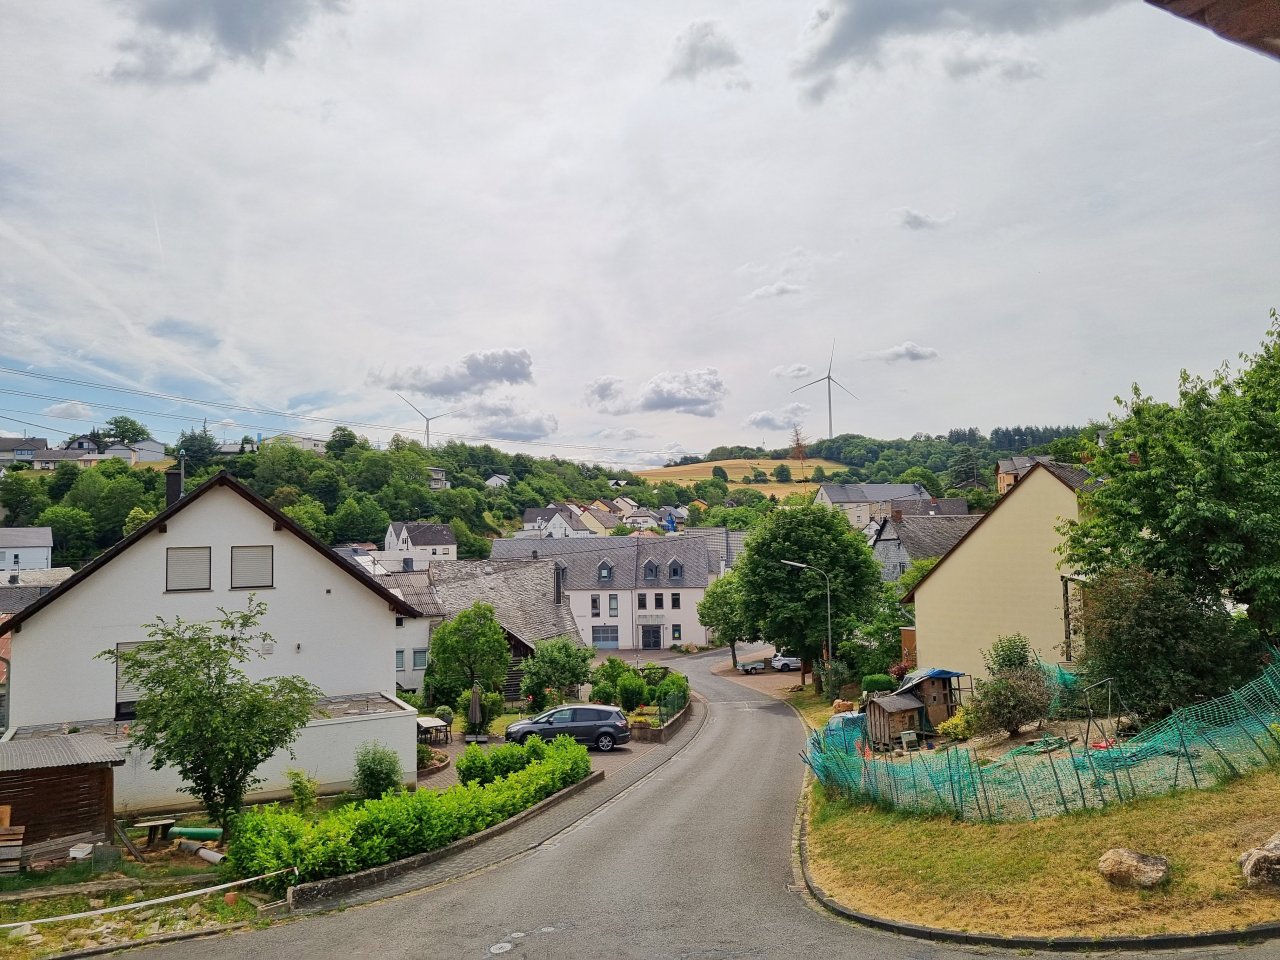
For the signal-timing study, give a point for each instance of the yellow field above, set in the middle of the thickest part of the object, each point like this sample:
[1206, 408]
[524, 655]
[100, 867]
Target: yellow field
[736, 469]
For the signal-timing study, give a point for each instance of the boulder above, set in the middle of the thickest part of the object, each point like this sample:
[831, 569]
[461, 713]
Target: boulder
[1128, 868]
[843, 706]
[1261, 865]
[20, 931]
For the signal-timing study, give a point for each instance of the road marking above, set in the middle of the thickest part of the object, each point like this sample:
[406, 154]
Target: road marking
[500, 948]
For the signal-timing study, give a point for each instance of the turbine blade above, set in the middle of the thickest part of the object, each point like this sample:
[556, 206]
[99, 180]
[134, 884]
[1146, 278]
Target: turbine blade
[439, 415]
[416, 410]
[832, 360]
[845, 389]
[819, 380]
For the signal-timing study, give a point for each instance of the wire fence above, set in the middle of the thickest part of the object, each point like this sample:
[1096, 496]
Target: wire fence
[1193, 747]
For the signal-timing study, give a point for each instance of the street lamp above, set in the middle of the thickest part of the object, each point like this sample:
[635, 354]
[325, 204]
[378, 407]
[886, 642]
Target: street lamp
[805, 566]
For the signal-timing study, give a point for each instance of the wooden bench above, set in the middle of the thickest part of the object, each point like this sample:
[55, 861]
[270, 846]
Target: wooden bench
[156, 828]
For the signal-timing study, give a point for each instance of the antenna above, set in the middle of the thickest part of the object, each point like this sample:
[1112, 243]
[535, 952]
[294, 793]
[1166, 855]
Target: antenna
[830, 380]
[426, 421]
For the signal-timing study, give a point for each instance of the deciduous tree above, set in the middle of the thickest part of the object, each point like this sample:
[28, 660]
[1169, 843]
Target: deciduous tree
[472, 646]
[556, 665]
[721, 610]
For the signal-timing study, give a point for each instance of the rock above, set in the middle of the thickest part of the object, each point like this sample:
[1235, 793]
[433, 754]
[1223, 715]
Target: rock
[231, 898]
[843, 706]
[1261, 865]
[152, 928]
[1128, 868]
[32, 940]
[144, 915]
[24, 930]
[95, 904]
[194, 910]
[79, 933]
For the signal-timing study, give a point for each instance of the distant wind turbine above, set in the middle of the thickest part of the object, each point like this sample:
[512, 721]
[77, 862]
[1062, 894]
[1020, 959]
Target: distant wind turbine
[830, 380]
[426, 421]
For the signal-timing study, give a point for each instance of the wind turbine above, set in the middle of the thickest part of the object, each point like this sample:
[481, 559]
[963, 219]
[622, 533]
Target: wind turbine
[426, 421]
[830, 380]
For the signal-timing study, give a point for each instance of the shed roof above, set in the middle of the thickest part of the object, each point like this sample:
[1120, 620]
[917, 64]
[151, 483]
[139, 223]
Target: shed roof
[931, 536]
[11, 537]
[895, 703]
[73, 750]
[874, 492]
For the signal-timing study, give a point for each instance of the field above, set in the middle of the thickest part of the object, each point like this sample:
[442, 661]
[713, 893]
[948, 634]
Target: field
[736, 469]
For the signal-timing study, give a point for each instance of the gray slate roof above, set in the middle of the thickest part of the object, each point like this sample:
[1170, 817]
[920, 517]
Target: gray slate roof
[604, 517]
[873, 492]
[73, 750]
[896, 702]
[581, 557]
[522, 595]
[9, 444]
[427, 534]
[18, 537]
[1077, 478]
[725, 545]
[929, 536]
[15, 598]
[942, 507]
[1019, 464]
[41, 578]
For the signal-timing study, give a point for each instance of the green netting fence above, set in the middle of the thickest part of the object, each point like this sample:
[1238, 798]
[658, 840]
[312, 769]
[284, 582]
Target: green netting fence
[1191, 748]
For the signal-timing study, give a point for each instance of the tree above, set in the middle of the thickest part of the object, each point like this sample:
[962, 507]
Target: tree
[199, 713]
[119, 497]
[721, 610]
[471, 546]
[925, 478]
[556, 665]
[782, 473]
[123, 429]
[198, 446]
[965, 467]
[789, 606]
[1010, 700]
[719, 473]
[138, 517]
[359, 519]
[819, 474]
[799, 451]
[64, 478]
[472, 646]
[340, 441]
[1162, 645]
[23, 497]
[309, 514]
[621, 530]
[74, 538]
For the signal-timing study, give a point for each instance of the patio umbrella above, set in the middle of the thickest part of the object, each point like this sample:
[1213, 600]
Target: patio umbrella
[475, 714]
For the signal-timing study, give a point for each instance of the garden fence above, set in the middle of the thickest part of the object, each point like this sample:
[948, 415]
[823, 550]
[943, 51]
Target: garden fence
[1193, 747]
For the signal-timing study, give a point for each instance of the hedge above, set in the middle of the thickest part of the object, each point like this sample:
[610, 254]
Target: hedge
[374, 832]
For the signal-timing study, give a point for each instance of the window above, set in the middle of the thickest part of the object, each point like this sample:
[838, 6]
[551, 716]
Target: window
[675, 633]
[595, 604]
[675, 601]
[613, 604]
[433, 551]
[399, 622]
[677, 570]
[399, 660]
[642, 601]
[251, 567]
[187, 568]
[604, 637]
[126, 694]
[650, 570]
[605, 571]
[420, 659]
[657, 601]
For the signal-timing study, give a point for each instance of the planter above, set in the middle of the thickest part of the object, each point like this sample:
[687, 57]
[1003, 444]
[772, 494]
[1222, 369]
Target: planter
[664, 733]
[434, 768]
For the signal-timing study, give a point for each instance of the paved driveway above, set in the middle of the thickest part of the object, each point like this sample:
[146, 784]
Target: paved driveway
[692, 862]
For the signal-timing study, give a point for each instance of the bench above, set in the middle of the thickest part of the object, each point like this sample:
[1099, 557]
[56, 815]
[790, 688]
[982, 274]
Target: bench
[156, 829]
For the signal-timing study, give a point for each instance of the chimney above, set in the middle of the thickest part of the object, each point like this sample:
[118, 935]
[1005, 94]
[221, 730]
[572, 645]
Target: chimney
[13, 579]
[406, 564]
[172, 486]
[897, 515]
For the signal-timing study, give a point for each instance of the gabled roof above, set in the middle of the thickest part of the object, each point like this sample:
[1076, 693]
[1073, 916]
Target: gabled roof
[604, 518]
[430, 534]
[939, 507]
[1247, 22]
[582, 556]
[11, 537]
[221, 479]
[9, 444]
[895, 702]
[873, 492]
[924, 537]
[1068, 478]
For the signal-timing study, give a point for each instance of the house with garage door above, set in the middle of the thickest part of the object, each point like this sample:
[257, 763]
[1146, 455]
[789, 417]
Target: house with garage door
[627, 593]
[330, 622]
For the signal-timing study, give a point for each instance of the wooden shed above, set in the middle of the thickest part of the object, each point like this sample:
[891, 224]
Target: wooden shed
[939, 692]
[890, 715]
[60, 789]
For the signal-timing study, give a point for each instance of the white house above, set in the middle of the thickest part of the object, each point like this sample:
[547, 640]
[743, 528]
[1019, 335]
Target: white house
[627, 593]
[498, 480]
[419, 543]
[555, 521]
[26, 548]
[144, 451]
[314, 444]
[21, 448]
[330, 622]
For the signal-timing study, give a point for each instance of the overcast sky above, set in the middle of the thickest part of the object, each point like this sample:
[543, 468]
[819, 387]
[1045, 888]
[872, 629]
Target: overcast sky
[630, 227]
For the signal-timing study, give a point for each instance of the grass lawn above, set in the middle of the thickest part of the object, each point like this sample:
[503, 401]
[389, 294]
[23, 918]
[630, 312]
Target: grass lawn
[815, 709]
[1040, 877]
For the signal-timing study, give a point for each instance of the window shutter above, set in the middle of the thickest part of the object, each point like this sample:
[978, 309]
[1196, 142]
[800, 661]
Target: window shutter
[251, 567]
[126, 692]
[188, 568]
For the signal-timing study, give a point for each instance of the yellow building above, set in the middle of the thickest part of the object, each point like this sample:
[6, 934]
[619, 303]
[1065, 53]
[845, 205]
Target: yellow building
[1003, 577]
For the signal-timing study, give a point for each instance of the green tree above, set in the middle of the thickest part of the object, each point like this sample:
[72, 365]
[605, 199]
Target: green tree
[137, 518]
[965, 467]
[719, 473]
[340, 441]
[471, 546]
[309, 514]
[556, 665]
[819, 474]
[119, 496]
[121, 429]
[722, 611]
[359, 519]
[64, 478]
[472, 646]
[200, 714]
[782, 473]
[789, 605]
[925, 478]
[198, 446]
[22, 494]
[621, 530]
[74, 538]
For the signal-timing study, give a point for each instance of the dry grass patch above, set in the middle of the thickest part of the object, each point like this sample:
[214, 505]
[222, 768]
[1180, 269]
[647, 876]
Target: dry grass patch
[815, 709]
[736, 469]
[1040, 878]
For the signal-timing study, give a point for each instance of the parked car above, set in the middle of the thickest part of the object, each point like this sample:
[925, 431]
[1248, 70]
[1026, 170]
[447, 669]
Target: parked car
[755, 666]
[784, 663]
[597, 725]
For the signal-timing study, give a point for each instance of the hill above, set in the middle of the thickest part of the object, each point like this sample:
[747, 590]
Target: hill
[690, 473]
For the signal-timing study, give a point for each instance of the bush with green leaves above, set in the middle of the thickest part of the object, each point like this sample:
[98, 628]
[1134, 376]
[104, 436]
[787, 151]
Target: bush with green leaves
[630, 691]
[673, 692]
[604, 692]
[835, 676]
[399, 825]
[491, 706]
[473, 765]
[958, 727]
[304, 789]
[426, 756]
[377, 771]
[445, 714]
[1011, 652]
[877, 683]
[611, 671]
[650, 694]
[1009, 701]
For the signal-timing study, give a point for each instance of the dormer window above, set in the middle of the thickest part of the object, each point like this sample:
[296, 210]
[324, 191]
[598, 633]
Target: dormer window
[677, 570]
[605, 571]
[650, 570]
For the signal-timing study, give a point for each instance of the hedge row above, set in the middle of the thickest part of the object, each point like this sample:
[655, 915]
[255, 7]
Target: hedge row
[374, 832]
[481, 766]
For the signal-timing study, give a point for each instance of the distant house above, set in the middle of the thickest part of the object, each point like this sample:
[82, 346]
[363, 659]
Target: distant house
[700, 504]
[26, 548]
[1010, 471]
[865, 502]
[642, 519]
[600, 522]
[900, 540]
[498, 480]
[725, 545]
[552, 522]
[313, 444]
[21, 448]
[418, 543]
[49, 459]
[627, 593]
[617, 483]
[1003, 577]
[143, 451]
[83, 442]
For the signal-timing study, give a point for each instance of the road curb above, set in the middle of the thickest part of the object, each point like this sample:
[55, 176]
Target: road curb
[1158, 941]
[150, 941]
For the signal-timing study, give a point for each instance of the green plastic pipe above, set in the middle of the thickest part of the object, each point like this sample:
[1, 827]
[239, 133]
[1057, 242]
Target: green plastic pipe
[197, 833]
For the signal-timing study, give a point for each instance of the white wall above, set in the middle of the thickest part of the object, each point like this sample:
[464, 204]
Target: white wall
[691, 631]
[328, 627]
[29, 558]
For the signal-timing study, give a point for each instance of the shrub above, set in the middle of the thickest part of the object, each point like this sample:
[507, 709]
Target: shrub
[491, 705]
[473, 765]
[445, 714]
[835, 676]
[630, 691]
[1012, 652]
[507, 758]
[650, 694]
[304, 790]
[604, 692]
[959, 727]
[426, 756]
[611, 671]
[377, 771]
[900, 670]
[1013, 699]
[878, 683]
[673, 692]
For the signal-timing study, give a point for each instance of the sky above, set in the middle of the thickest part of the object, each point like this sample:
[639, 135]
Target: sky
[623, 232]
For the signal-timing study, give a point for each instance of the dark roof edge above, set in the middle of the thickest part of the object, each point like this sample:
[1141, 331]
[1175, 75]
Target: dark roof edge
[220, 479]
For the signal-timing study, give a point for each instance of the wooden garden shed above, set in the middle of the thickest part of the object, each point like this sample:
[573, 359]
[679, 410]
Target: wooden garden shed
[60, 789]
[939, 692]
[890, 715]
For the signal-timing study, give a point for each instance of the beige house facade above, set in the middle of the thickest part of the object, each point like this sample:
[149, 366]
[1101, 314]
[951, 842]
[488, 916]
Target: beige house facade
[1003, 577]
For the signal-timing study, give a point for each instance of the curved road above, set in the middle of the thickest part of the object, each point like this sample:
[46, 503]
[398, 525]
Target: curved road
[693, 862]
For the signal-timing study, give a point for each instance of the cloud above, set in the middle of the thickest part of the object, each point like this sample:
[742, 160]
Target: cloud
[702, 49]
[697, 392]
[792, 371]
[855, 33]
[623, 435]
[783, 419]
[903, 351]
[471, 374]
[915, 220]
[971, 62]
[506, 419]
[182, 331]
[183, 41]
[71, 410]
[606, 395]
[779, 289]
[656, 458]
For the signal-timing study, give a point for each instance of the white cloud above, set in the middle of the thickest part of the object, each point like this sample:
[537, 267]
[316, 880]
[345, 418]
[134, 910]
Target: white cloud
[792, 371]
[784, 419]
[700, 393]
[971, 62]
[904, 351]
[473, 373]
[779, 289]
[506, 419]
[72, 410]
[915, 220]
[703, 49]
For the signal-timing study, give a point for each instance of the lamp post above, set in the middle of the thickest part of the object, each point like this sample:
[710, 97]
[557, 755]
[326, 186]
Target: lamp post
[805, 566]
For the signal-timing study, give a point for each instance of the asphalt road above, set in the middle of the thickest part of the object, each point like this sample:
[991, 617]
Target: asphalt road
[692, 863]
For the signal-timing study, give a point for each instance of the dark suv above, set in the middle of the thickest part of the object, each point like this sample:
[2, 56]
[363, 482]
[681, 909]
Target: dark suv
[597, 724]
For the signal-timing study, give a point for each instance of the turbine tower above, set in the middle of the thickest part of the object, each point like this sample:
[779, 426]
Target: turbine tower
[426, 421]
[830, 380]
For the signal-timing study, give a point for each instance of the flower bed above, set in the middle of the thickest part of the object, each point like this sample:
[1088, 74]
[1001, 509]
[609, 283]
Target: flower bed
[398, 825]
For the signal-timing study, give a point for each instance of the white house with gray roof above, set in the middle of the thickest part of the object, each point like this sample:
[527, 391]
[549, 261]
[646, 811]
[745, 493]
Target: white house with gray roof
[863, 503]
[420, 543]
[26, 548]
[627, 593]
